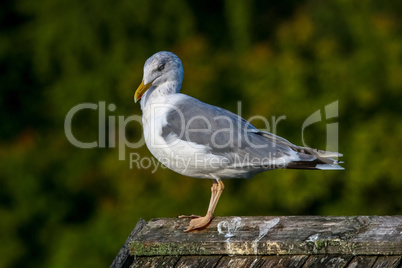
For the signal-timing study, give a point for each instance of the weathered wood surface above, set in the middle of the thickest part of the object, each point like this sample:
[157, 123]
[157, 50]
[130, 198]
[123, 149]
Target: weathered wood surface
[295, 261]
[292, 235]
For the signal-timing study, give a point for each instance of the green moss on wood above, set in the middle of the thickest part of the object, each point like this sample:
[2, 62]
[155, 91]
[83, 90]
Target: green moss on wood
[141, 248]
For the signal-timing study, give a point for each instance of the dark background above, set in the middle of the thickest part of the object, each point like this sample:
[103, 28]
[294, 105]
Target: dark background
[62, 206]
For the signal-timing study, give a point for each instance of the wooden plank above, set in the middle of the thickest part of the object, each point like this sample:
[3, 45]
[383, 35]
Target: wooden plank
[387, 262]
[169, 261]
[326, 261]
[154, 261]
[285, 261]
[362, 262]
[147, 262]
[288, 235]
[198, 261]
[240, 261]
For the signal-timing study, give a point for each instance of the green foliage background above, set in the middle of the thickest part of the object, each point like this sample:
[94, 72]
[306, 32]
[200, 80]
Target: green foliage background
[62, 206]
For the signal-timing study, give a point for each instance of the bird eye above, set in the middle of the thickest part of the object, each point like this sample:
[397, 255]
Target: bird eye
[161, 67]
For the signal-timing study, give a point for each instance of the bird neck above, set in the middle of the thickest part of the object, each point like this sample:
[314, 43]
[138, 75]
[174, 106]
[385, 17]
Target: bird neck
[160, 91]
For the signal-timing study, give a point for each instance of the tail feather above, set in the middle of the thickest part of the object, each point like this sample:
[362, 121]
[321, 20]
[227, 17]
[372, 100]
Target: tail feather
[329, 167]
[309, 158]
[316, 164]
[315, 159]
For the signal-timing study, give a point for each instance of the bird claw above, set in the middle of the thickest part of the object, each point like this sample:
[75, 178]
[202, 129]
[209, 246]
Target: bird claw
[199, 223]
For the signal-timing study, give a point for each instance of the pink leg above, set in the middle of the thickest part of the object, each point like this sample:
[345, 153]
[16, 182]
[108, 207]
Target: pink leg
[198, 222]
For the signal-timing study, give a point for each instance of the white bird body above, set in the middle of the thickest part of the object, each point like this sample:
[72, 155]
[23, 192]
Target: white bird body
[178, 155]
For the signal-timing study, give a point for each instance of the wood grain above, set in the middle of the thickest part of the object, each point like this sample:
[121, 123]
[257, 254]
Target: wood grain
[287, 235]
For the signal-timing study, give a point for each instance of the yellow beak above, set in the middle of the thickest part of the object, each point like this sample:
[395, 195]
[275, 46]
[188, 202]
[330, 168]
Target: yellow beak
[141, 90]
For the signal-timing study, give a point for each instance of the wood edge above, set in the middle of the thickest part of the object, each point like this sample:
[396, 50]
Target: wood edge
[123, 257]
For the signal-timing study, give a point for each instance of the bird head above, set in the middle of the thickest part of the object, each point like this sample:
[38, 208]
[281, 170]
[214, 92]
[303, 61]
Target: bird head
[162, 67]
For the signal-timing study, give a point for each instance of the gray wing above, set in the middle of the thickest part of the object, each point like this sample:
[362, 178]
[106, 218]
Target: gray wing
[226, 134]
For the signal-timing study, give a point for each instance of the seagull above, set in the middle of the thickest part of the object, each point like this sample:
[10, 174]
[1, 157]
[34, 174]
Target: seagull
[199, 140]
